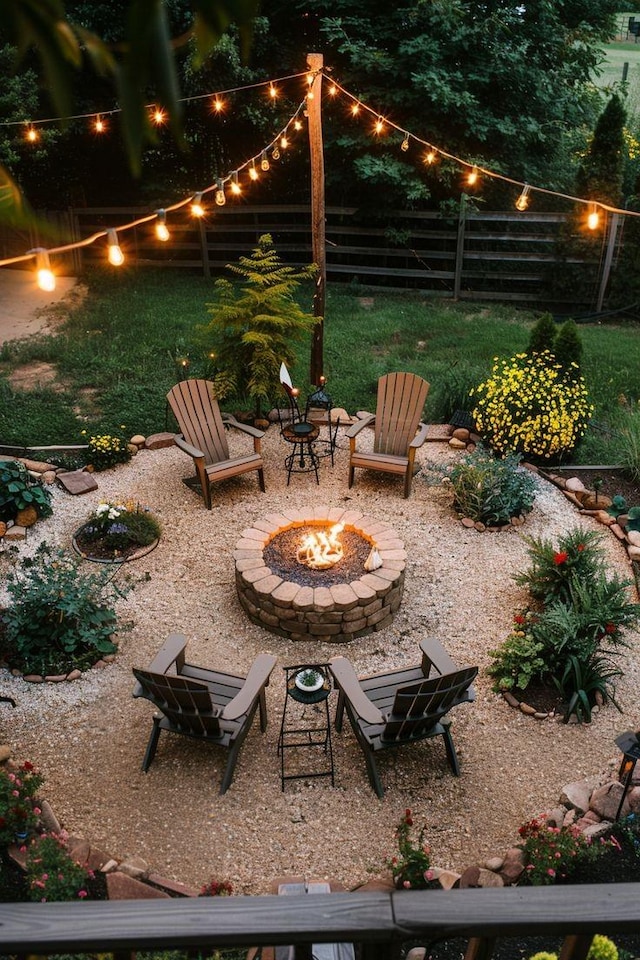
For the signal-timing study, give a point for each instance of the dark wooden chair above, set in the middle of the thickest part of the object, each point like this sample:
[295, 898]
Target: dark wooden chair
[405, 705]
[398, 428]
[203, 704]
[203, 437]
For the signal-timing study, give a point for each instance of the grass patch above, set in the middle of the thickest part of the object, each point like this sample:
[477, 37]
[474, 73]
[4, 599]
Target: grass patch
[117, 353]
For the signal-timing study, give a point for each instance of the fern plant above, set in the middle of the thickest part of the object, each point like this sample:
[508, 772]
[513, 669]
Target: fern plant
[255, 325]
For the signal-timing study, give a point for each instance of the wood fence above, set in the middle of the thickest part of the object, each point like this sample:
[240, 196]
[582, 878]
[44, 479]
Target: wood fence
[508, 256]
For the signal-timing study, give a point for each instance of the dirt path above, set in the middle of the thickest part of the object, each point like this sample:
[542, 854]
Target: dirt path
[25, 310]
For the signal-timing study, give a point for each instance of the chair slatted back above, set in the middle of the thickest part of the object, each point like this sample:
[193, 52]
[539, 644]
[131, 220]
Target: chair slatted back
[399, 408]
[419, 706]
[186, 703]
[198, 414]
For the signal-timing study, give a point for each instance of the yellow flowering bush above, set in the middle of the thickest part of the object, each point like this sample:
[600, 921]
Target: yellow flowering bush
[107, 450]
[530, 405]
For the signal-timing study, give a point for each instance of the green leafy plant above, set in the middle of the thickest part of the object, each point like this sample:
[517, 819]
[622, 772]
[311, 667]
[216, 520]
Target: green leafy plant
[542, 336]
[552, 853]
[19, 491]
[253, 330]
[519, 659]
[628, 438]
[411, 868]
[58, 617]
[582, 679]
[19, 810]
[491, 490]
[618, 505]
[52, 873]
[553, 568]
[106, 450]
[530, 405]
[602, 948]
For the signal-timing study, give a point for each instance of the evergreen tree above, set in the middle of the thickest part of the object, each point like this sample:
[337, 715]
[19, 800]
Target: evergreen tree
[253, 329]
[602, 173]
[543, 335]
[568, 347]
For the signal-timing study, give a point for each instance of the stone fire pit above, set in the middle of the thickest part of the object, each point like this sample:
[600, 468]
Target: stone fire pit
[337, 605]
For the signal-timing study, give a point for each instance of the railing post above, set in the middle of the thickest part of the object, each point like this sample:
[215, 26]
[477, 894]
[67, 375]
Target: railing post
[457, 279]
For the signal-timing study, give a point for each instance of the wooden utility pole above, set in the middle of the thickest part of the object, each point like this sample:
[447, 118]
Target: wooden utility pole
[314, 113]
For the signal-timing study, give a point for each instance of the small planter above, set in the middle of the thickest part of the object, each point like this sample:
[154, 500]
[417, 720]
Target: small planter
[309, 680]
[96, 552]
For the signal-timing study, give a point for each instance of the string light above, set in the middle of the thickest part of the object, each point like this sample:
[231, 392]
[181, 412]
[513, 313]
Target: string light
[162, 231]
[333, 90]
[275, 153]
[45, 278]
[379, 127]
[218, 104]
[158, 116]
[523, 200]
[197, 209]
[32, 134]
[297, 124]
[273, 93]
[253, 173]
[404, 146]
[99, 126]
[264, 161]
[430, 157]
[355, 109]
[284, 143]
[236, 189]
[114, 252]
[593, 217]
[472, 178]
[220, 195]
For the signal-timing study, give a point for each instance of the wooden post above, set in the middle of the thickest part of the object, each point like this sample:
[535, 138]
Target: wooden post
[457, 277]
[314, 111]
[608, 260]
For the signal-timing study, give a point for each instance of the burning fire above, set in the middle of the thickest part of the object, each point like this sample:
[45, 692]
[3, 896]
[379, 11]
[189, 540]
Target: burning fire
[321, 550]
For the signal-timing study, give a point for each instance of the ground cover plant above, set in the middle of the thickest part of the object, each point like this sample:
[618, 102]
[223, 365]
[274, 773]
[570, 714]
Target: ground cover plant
[115, 357]
[491, 489]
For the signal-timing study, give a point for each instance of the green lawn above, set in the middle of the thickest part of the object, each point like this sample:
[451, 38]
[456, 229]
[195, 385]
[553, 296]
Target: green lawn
[115, 356]
[621, 50]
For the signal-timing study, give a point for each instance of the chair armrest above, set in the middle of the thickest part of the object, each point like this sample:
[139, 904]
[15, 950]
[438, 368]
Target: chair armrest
[434, 655]
[360, 424]
[187, 448]
[257, 679]
[347, 679]
[229, 419]
[420, 436]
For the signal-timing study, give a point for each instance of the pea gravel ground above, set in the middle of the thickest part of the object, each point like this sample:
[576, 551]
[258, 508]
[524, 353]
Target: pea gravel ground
[89, 736]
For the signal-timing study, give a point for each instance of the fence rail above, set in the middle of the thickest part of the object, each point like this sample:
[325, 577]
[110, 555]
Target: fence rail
[479, 255]
[380, 923]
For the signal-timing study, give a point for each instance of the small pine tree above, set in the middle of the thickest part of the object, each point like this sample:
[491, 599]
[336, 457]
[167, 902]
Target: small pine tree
[543, 335]
[253, 327]
[568, 347]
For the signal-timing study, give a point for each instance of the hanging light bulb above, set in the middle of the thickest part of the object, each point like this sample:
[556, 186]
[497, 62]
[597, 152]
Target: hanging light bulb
[158, 116]
[275, 153]
[593, 217]
[472, 178]
[264, 161]
[32, 134]
[523, 200]
[333, 90]
[162, 231]
[404, 146]
[253, 173]
[236, 189]
[355, 109]
[430, 157]
[218, 105]
[197, 210]
[284, 143]
[114, 253]
[45, 277]
[99, 125]
[297, 124]
[273, 93]
[220, 195]
[379, 127]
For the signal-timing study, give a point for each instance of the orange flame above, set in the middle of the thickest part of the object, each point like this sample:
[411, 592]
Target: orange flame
[321, 550]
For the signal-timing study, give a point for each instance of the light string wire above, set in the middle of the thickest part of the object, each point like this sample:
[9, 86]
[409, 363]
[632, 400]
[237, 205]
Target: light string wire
[111, 111]
[492, 174]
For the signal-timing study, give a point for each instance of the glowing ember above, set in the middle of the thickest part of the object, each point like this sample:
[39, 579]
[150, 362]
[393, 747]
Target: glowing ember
[321, 550]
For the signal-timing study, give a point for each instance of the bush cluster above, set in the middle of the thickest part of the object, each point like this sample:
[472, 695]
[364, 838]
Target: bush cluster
[532, 406]
[18, 491]
[52, 873]
[411, 867]
[491, 490]
[121, 526]
[106, 450]
[570, 635]
[552, 853]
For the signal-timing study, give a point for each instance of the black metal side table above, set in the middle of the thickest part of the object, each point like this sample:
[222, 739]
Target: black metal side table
[303, 458]
[317, 732]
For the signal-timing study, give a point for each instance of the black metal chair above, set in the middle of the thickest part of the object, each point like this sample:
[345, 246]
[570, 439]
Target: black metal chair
[403, 706]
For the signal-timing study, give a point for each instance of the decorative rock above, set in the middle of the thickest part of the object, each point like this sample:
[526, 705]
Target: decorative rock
[527, 708]
[495, 864]
[74, 675]
[461, 433]
[597, 829]
[593, 502]
[135, 867]
[77, 481]
[467, 522]
[78, 849]
[122, 887]
[48, 818]
[575, 484]
[470, 878]
[633, 536]
[5, 752]
[488, 878]
[634, 553]
[16, 532]
[138, 439]
[606, 799]
[576, 796]
[513, 865]
[457, 444]
[3, 528]
[132, 448]
[109, 866]
[446, 878]
[159, 440]
[603, 517]
[48, 477]
[33, 678]
[511, 700]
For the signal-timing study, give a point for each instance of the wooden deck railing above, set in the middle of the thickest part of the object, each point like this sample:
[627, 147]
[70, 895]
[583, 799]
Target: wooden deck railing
[380, 923]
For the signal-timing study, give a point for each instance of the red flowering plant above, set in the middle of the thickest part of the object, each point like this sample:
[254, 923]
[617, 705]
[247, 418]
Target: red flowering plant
[19, 810]
[52, 873]
[552, 854]
[554, 569]
[411, 868]
[216, 888]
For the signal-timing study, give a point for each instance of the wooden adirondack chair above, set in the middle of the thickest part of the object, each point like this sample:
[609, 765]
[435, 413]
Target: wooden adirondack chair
[392, 709]
[401, 399]
[203, 437]
[203, 704]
